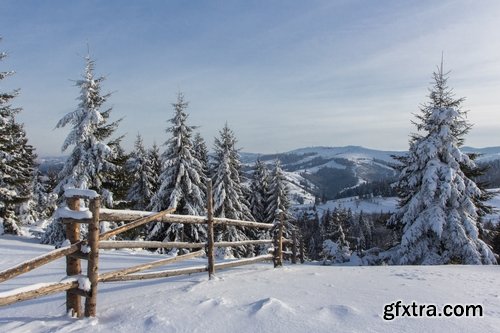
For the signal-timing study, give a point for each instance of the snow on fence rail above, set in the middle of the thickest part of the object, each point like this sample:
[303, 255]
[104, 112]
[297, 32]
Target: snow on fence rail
[89, 250]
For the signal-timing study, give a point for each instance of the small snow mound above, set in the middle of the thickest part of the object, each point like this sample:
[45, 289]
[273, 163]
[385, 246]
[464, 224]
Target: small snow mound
[66, 213]
[339, 311]
[409, 276]
[76, 192]
[154, 320]
[211, 302]
[85, 249]
[66, 243]
[270, 305]
[84, 283]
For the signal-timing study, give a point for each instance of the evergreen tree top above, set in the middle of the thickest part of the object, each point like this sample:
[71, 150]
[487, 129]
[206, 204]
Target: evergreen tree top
[442, 96]
[88, 120]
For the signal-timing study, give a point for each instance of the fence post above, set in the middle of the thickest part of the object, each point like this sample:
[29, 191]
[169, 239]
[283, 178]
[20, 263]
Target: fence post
[275, 248]
[294, 247]
[210, 233]
[73, 266]
[93, 258]
[278, 248]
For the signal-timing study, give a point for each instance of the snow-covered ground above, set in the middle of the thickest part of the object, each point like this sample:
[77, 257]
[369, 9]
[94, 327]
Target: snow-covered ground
[355, 204]
[255, 298]
[372, 205]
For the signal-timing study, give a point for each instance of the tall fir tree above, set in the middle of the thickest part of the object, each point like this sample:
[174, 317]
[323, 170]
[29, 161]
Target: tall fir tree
[437, 213]
[335, 245]
[229, 200]
[118, 180]
[201, 154]
[17, 164]
[259, 188]
[278, 195]
[181, 181]
[155, 159]
[90, 163]
[139, 166]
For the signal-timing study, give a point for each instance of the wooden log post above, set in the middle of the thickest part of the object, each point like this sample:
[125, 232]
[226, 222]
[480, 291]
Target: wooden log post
[93, 262]
[301, 249]
[73, 266]
[275, 248]
[278, 248]
[210, 233]
[294, 247]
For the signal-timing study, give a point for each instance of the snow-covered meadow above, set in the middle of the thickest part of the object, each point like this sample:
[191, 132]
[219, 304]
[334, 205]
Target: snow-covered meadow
[255, 298]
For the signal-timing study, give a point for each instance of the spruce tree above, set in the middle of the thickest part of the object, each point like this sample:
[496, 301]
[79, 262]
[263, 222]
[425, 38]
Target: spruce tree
[43, 198]
[229, 200]
[118, 179]
[140, 168]
[200, 151]
[17, 164]
[335, 245]
[155, 162]
[90, 163]
[437, 213]
[278, 195]
[181, 181]
[259, 188]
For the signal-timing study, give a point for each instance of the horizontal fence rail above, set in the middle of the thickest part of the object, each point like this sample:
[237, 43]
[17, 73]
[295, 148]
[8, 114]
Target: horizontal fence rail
[131, 215]
[30, 265]
[35, 291]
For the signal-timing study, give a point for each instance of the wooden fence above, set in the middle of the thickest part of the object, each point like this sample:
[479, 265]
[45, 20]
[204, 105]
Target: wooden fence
[77, 285]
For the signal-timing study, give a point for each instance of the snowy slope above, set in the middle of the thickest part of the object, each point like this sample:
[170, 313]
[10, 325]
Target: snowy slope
[357, 205]
[299, 194]
[256, 298]
[485, 154]
[352, 153]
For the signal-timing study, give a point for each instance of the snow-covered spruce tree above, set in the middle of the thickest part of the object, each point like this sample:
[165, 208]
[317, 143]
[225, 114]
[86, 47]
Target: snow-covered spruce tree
[118, 180]
[201, 153]
[90, 160]
[155, 162]
[259, 188]
[258, 198]
[437, 211]
[44, 200]
[17, 164]
[278, 195]
[229, 200]
[139, 167]
[181, 182]
[278, 202]
[335, 245]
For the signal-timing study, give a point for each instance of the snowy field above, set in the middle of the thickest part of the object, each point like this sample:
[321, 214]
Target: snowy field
[255, 298]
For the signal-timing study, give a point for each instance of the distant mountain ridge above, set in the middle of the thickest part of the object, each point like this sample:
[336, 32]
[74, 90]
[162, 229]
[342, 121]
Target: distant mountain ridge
[331, 172]
[327, 172]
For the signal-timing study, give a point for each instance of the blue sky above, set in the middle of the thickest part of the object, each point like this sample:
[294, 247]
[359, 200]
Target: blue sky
[283, 74]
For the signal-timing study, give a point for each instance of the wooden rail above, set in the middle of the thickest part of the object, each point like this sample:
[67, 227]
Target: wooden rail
[176, 245]
[30, 265]
[36, 290]
[110, 275]
[127, 216]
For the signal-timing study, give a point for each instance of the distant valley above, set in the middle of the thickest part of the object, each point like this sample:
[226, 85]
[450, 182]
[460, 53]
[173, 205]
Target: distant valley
[326, 173]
